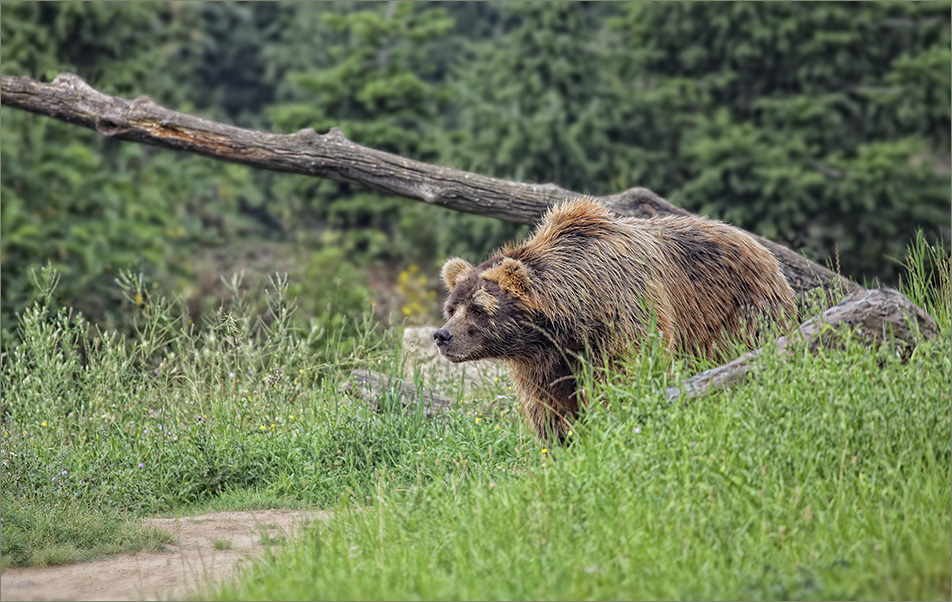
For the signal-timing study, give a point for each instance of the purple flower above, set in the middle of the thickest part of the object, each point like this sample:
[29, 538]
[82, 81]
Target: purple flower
[141, 465]
[64, 473]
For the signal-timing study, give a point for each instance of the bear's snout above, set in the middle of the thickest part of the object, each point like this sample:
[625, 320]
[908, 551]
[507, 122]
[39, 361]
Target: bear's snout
[442, 337]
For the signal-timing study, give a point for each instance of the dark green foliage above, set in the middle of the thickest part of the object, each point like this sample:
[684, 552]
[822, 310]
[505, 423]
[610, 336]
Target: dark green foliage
[380, 86]
[824, 126]
[534, 102]
[91, 206]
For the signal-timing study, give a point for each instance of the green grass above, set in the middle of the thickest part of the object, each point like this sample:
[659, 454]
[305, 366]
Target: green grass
[825, 477]
[829, 479]
[39, 533]
[221, 543]
[242, 413]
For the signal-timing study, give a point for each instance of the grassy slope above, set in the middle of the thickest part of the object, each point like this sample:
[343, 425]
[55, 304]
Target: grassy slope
[828, 479]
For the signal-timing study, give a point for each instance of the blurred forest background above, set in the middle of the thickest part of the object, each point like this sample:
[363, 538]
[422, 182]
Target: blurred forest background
[823, 126]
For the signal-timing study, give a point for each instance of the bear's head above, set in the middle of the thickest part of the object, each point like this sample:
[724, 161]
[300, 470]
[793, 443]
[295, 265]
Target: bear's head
[491, 310]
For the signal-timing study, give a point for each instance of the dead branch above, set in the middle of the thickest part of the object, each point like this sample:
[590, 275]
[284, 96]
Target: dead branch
[331, 155]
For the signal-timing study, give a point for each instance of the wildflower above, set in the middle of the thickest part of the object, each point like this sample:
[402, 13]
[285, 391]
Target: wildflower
[637, 429]
[43, 423]
[292, 416]
[263, 427]
[478, 419]
[64, 473]
[545, 450]
[141, 465]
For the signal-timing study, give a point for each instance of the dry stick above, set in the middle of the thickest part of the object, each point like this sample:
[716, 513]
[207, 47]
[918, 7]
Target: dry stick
[333, 156]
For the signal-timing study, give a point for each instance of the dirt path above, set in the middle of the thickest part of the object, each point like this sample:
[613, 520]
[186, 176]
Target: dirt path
[168, 575]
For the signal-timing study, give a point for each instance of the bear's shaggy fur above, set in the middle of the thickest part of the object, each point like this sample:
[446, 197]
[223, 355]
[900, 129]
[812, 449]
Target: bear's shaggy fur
[586, 285]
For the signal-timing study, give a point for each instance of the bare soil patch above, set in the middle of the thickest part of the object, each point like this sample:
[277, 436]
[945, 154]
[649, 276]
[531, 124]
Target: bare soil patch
[191, 562]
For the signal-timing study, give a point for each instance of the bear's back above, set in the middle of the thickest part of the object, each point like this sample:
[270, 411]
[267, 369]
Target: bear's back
[604, 280]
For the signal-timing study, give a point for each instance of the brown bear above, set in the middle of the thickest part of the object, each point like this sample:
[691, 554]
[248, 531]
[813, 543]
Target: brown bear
[586, 286]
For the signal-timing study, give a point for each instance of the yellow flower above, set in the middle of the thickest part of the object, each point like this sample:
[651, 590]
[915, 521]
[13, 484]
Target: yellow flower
[43, 424]
[263, 427]
[545, 450]
[292, 416]
[478, 419]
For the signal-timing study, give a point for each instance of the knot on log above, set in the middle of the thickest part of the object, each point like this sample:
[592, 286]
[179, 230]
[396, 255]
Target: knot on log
[71, 80]
[111, 124]
[307, 135]
[335, 135]
[641, 202]
[143, 101]
[429, 193]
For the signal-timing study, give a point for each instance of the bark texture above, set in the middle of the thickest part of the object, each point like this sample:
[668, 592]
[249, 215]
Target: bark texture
[331, 155]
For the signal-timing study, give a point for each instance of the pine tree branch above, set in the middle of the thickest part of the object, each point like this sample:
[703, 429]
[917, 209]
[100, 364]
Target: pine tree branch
[69, 98]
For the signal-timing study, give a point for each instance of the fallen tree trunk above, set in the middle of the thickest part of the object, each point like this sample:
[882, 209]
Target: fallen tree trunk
[333, 156]
[874, 316]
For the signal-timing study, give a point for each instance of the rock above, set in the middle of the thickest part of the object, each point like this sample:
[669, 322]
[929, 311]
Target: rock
[423, 358]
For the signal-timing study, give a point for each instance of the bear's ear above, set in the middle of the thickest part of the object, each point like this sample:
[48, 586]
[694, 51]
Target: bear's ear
[455, 270]
[512, 276]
